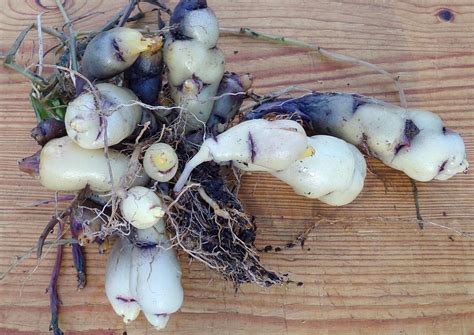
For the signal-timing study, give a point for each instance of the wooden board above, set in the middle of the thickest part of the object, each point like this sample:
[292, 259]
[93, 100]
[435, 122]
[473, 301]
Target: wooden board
[366, 267]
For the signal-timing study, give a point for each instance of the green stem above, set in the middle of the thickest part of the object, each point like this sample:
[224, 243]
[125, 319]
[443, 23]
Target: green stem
[31, 76]
[10, 59]
[324, 52]
[53, 32]
[72, 37]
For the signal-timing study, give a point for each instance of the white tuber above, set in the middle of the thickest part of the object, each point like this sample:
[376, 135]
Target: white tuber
[201, 25]
[196, 102]
[117, 281]
[195, 65]
[65, 166]
[156, 275]
[273, 145]
[160, 162]
[145, 275]
[411, 140]
[86, 118]
[435, 153]
[141, 207]
[334, 173]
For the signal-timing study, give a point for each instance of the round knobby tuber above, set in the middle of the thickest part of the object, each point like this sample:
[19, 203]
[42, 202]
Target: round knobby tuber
[141, 207]
[334, 173]
[117, 109]
[160, 162]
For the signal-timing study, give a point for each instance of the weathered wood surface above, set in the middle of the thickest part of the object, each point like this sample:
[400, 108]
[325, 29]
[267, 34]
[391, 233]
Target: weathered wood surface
[366, 268]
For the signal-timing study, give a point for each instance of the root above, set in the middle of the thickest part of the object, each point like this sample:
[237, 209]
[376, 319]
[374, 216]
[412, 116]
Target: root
[209, 224]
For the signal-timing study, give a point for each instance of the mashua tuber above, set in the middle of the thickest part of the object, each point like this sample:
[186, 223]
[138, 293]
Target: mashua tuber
[145, 275]
[331, 171]
[111, 52]
[141, 207]
[145, 75]
[231, 93]
[273, 145]
[111, 111]
[117, 281]
[334, 173]
[195, 65]
[160, 162]
[410, 140]
[65, 166]
[156, 275]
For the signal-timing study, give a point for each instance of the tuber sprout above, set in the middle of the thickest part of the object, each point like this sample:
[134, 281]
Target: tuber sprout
[141, 207]
[160, 162]
[112, 52]
[65, 166]
[87, 118]
[409, 140]
[273, 145]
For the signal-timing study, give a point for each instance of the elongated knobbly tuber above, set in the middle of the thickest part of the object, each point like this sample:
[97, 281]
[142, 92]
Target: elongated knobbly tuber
[273, 145]
[195, 65]
[117, 281]
[65, 166]
[156, 275]
[334, 173]
[410, 140]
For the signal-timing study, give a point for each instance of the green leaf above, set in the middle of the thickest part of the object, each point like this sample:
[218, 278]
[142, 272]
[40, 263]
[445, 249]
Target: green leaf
[39, 108]
[54, 107]
[57, 106]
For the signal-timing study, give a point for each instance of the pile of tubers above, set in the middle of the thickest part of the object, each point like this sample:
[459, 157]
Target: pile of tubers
[134, 141]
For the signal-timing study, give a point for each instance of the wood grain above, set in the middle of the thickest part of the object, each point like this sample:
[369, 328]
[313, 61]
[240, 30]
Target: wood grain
[366, 268]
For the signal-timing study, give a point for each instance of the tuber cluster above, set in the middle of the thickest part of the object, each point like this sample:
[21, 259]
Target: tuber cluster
[151, 124]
